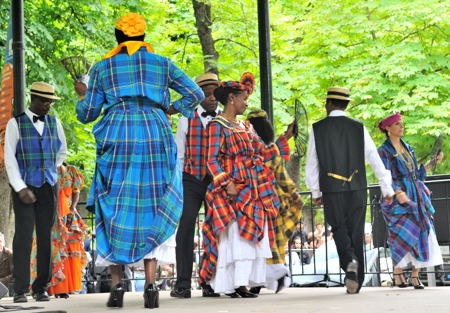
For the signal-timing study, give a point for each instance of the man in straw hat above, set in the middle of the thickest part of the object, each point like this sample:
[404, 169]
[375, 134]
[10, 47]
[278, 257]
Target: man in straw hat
[35, 146]
[136, 190]
[338, 148]
[192, 149]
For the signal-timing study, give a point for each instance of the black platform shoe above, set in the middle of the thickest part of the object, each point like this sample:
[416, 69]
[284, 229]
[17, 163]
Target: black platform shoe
[419, 284]
[151, 297]
[400, 282]
[116, 297]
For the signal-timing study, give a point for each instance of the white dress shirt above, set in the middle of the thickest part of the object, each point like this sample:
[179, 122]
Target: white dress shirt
[11, 140]
[371, 156]
[182, 129]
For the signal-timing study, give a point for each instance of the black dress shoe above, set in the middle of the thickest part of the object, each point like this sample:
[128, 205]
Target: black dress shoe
[351, 277]
[20, 298]
[242, 291]
[116, 297]
[181, 293]
[255, 290]
[41, 296]
[207, 291]
[151, 297]
[232, 295]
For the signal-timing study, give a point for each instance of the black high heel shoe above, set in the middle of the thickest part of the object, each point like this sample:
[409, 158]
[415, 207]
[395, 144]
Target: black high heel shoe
[243, 292]
[419, 284]
[402, 283]
[151, 297]
[116, 297]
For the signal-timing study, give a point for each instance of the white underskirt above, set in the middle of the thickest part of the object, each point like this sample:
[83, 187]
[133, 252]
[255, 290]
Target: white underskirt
[435, 256]
[164, 254]
[240, 262]
[275, 272]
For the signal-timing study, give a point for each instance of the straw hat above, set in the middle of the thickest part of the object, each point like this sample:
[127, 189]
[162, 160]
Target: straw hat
[207, 79]
[338, 93]
[43, 90]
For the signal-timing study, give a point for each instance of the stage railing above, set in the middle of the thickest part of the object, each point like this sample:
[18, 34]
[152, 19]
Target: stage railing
[323, 267]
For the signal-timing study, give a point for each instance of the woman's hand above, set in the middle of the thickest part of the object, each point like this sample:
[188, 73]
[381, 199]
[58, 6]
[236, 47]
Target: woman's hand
[297, 200]
[289, 133]
[232, 192]
[402, 197]
[80, 88]
[171, 110]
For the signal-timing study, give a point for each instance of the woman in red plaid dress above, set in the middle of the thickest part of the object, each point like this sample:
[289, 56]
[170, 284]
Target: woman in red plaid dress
[242, 204]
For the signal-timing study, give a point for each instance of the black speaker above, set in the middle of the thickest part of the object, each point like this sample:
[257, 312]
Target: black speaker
[439, 186]
[379, 230]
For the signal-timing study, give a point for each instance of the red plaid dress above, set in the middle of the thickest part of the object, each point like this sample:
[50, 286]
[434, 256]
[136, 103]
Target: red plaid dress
[237, 154]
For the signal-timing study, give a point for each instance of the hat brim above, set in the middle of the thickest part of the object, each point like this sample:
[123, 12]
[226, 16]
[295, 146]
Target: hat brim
[45, 95]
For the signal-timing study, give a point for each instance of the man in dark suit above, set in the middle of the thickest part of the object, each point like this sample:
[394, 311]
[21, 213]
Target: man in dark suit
[34, 146]
[338, 148]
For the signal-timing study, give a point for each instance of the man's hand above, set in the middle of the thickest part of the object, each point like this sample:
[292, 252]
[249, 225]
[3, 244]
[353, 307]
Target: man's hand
[27, 196]
[318, 201]
[388, 199]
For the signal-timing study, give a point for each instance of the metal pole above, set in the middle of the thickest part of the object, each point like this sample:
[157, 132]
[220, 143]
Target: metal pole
[18, 55]
[264, 58]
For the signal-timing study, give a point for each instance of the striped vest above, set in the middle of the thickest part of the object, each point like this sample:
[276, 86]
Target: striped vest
[195, 153]
[36, 154]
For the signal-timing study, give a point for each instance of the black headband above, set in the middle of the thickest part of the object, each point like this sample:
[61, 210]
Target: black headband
[43, 92]
[337, 93]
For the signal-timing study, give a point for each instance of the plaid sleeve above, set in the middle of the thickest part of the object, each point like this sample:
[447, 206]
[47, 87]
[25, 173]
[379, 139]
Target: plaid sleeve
[90, 107]
[191, 93]
[283, 146]
[215, 143]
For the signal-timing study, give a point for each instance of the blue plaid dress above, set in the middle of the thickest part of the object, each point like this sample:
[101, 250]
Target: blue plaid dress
[136, 190]
[409, 224]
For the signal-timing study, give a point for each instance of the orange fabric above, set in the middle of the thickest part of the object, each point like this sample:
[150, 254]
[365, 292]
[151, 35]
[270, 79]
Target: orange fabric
[63, 204]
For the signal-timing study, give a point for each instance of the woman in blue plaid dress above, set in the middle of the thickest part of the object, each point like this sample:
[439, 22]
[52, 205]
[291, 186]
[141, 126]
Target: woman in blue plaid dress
[136, 190]
[409, 218]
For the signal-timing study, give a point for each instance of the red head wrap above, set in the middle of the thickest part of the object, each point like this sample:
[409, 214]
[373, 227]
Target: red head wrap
[388, 121]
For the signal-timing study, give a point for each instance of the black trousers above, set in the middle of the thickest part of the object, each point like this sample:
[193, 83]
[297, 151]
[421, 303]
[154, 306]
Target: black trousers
[41, 215]
[193, 197]
[345, 212]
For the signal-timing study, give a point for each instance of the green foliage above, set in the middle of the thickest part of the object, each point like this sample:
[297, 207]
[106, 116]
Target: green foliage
[393, 55]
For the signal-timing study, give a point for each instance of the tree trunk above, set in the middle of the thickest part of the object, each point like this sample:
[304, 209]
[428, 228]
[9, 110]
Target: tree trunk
[203, 22]
[6, 211]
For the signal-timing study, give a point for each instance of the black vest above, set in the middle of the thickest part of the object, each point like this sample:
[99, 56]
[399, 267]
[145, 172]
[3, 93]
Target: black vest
[340, 150]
